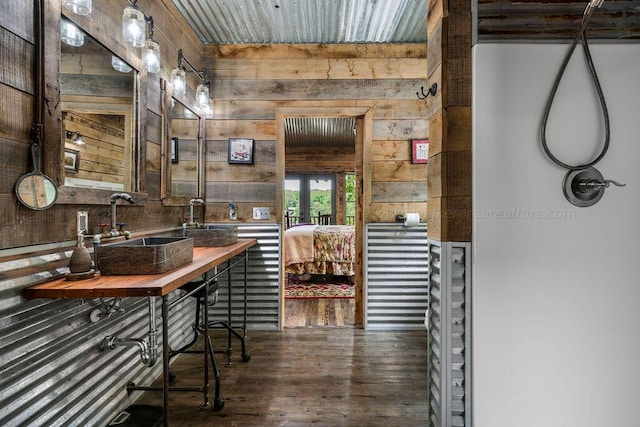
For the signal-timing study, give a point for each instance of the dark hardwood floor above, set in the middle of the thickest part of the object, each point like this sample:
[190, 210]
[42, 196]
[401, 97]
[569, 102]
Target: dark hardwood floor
[309, 376]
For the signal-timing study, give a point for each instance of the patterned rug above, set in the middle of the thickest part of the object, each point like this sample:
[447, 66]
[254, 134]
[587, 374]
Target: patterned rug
[317, 286]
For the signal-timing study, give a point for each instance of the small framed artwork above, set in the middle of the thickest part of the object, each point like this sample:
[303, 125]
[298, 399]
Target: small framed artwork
[71, 160]
[419, 151]
[241, 151]
[174, 150]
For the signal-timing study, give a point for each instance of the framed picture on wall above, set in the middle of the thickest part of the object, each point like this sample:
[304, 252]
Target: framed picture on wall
[71, 160]
[419, 151]
[174, 150]
[241, 151]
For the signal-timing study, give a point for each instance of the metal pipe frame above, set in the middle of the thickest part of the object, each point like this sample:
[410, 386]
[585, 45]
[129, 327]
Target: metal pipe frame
[166, 306]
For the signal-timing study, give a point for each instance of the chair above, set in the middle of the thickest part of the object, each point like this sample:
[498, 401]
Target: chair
[196, 289]
[324, 219]
[287, 219]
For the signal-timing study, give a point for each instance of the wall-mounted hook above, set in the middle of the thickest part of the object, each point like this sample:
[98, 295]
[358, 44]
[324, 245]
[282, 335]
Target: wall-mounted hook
[432, 91]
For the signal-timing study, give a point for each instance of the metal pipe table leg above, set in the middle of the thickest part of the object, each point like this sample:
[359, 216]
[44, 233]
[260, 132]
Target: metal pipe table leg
[205, 362]
[227, 324]
[165, 359]
[229, 309]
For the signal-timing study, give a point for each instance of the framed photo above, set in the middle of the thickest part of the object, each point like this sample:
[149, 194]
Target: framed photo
[71, 160]
[241, 151]
[419, 151]
[174, 150]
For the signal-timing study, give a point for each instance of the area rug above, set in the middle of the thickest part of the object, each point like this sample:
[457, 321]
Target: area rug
[318, 286]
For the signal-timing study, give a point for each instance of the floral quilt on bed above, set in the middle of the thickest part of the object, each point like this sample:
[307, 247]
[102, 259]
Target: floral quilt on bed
[334, 252]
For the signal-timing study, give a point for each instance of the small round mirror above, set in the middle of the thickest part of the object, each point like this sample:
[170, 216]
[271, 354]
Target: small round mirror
[35, 190]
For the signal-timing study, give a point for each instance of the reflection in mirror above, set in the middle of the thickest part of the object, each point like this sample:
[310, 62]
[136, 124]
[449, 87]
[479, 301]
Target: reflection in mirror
[97, 98]
[184, 145]
[35, 190]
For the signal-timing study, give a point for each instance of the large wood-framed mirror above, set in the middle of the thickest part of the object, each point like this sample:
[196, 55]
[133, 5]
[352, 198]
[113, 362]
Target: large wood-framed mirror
[182, 148]
[87, 96]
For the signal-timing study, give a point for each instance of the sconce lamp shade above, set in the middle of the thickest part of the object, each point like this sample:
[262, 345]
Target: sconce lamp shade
[151, 56]
[179, 80]
[119, 65]
[80, 7]
[70, 34]
[133, 27]
[75, 137]
[202, 95]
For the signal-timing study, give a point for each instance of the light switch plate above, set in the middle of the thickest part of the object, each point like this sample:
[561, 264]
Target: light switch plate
[261, 213]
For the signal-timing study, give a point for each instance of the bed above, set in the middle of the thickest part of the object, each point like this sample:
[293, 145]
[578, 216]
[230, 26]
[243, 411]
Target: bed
[320, 249]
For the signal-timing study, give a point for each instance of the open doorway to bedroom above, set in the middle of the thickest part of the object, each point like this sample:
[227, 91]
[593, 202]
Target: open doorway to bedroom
[321, 180]
[320, 212]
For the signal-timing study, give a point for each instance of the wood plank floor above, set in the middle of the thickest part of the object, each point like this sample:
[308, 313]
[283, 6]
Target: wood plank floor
[309, 376]
[311, 312]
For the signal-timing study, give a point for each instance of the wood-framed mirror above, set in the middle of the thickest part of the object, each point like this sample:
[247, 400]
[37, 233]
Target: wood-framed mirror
[183, 149]
[86, 96]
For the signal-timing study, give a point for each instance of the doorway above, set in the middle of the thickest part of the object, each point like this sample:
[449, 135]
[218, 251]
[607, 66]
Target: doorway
[363, 130]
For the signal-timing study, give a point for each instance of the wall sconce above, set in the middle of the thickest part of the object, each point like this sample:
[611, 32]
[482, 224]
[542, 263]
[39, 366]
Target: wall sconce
[70, 34]
[133, 25]
[79, 7]
[179, 82]
[151, 51]
[75, 137]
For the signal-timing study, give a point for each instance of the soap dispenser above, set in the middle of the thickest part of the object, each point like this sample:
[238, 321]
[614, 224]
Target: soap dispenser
[80, 263]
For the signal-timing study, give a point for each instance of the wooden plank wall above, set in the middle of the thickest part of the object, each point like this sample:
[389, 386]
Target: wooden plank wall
[249, 84]
[449, 175]
[20, 226]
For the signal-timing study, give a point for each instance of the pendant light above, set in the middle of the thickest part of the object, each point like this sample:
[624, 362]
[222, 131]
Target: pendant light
[79, 7]
[70, 34]
[133, 25]
[179, 80]
[202, 95]
[151, 51]
[179, 76]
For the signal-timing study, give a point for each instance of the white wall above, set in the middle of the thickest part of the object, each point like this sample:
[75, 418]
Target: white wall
[556, 300]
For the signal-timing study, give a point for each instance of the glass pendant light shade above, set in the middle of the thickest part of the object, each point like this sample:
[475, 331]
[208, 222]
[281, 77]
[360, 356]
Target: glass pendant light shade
[80, 7]
[119, 65]
[70, 34]
[151, 56]
[133, 27]
[202, 96]
[179, 80]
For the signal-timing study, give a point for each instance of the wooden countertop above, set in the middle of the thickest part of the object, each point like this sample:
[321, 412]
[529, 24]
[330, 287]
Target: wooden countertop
[204, 259]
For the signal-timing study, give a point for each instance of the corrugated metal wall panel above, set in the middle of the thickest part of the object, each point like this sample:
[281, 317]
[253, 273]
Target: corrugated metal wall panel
[52, 371]
[263, 286]
[448, 331]
[396, 276]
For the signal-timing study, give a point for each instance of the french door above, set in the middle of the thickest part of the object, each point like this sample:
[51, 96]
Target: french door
[309, 195]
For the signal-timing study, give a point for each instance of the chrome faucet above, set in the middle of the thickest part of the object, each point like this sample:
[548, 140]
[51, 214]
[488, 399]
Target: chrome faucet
[193, 202]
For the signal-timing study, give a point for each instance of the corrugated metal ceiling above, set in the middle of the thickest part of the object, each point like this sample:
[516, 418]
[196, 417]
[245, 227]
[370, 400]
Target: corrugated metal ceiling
[306, 21]
[320, 132]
